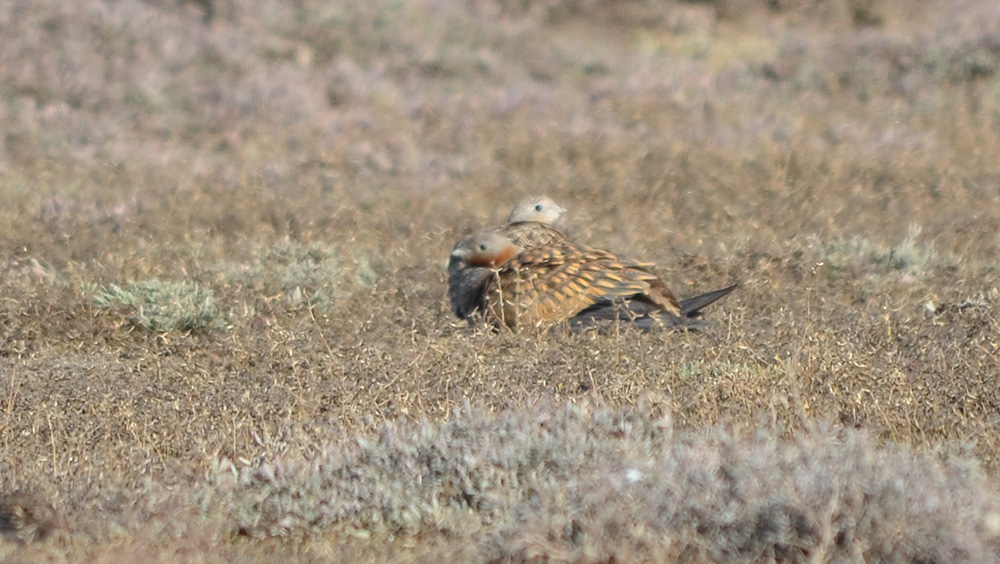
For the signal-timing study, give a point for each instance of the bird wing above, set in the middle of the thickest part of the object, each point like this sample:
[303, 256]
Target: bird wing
[531, 234]
[549, 284]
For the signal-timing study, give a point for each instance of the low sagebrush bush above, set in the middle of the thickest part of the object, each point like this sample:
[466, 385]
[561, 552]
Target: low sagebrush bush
[908, 257]
[161, 306]
[619, 485]
[311, 276]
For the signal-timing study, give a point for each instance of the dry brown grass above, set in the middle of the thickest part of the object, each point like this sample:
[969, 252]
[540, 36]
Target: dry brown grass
[303, 169]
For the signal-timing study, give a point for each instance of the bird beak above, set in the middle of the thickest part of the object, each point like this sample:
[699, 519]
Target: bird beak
[456, 262]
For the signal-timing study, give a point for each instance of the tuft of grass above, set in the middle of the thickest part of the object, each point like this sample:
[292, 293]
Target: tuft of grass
[163, 306]
[312, 276]
[908, 257]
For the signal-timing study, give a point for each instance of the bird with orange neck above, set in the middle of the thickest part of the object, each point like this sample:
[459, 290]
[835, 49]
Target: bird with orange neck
[493, 279]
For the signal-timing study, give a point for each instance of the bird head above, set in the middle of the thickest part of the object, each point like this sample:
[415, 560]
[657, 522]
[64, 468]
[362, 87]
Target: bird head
[484, 249]
[540, 209]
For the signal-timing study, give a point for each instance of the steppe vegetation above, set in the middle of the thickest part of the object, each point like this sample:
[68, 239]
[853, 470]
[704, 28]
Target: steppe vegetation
[224, 334]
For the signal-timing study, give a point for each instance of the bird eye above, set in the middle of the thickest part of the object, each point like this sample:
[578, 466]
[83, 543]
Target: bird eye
[538, 207]
[482, 246]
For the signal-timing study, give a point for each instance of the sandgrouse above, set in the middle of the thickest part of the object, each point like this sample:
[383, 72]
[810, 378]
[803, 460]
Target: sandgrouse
[557, 282]
[530, 224]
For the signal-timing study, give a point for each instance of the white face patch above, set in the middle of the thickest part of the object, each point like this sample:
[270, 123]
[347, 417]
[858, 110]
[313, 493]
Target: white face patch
[539, 209]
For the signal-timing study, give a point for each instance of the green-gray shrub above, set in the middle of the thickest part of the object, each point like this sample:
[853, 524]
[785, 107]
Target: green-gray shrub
[162, 306]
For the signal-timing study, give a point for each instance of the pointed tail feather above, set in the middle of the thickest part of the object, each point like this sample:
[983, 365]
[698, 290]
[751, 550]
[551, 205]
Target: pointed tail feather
[609, 317]
[634, 314]
[645, 316]
[692, 307]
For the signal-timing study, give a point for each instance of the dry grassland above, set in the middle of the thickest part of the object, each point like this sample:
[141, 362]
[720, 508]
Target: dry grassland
[224, 333]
